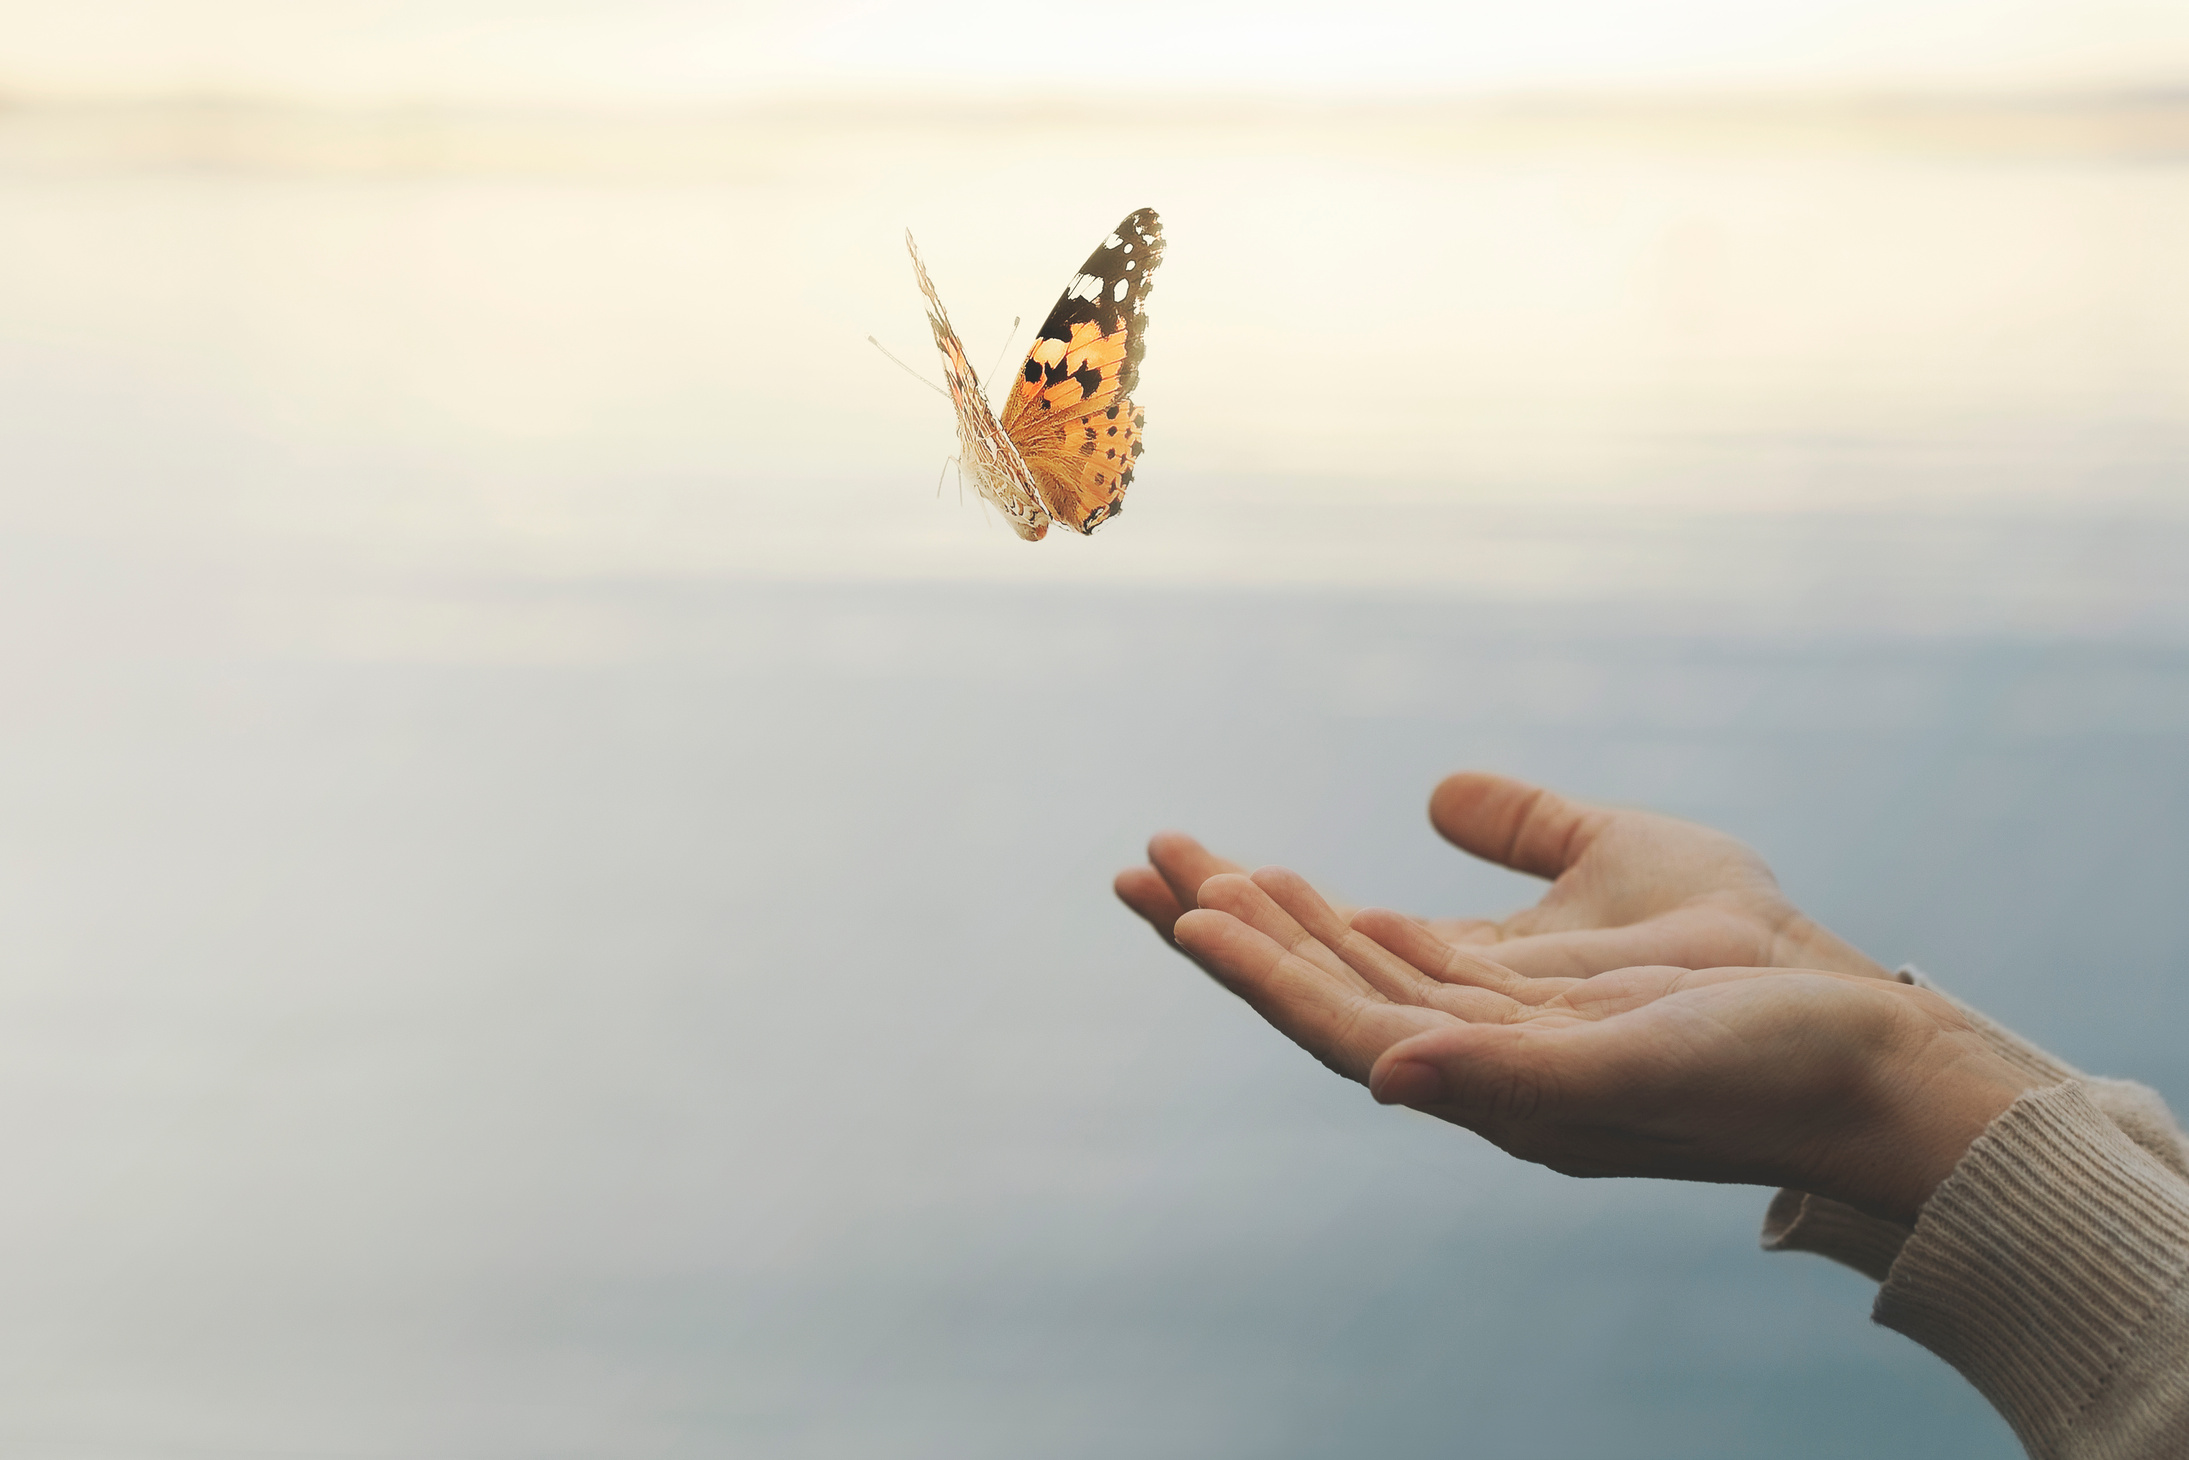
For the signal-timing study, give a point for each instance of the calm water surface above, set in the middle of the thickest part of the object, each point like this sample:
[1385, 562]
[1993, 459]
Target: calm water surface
[556, 897]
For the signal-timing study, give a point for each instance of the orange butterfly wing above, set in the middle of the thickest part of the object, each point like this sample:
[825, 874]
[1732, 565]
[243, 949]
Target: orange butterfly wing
[1070, 413]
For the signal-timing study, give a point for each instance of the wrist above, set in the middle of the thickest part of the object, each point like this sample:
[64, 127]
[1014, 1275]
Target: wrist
[1931, 1116]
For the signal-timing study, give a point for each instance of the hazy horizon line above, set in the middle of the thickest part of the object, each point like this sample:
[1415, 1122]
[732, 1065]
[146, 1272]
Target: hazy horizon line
[261, 134]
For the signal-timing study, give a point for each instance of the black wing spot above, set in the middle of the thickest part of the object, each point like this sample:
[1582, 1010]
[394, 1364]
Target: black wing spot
[1111, 413]
[1120, 288]
[1033, 371]
[1089, 378]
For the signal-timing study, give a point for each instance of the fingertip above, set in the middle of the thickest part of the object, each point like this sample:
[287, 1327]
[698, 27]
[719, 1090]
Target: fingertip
[1171, 844]
[1462, 784]
[1400, 936]
[1368, 919]
[1407, 1082]
[1458, 798]
[1409, 939]
[1200, 927]
[1146, 893]
[1224, 887]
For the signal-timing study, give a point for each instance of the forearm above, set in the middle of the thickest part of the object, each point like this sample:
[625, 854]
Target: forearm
[2052, 1270]
[2050, 1265]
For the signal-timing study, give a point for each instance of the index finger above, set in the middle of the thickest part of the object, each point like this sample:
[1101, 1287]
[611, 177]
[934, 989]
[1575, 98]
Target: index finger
[1248, 901]
[1387, 969]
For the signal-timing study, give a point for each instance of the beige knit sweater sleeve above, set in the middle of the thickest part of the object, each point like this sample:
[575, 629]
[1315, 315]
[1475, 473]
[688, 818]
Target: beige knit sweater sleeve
[2051, 1268]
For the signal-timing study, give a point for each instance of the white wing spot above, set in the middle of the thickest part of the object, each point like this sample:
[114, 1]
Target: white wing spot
[1084, 286]
[1119, 292]
[1113, 241]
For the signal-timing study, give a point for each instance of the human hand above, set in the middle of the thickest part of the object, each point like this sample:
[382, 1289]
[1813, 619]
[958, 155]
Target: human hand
[1628, 888]
[1855, 1088]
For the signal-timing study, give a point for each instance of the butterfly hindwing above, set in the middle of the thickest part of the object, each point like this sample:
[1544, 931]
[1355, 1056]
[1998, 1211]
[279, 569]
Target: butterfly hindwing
[984, 453]
[1070, 413]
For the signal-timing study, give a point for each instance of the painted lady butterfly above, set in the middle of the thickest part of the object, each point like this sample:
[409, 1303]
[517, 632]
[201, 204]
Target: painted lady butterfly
[1069, 434]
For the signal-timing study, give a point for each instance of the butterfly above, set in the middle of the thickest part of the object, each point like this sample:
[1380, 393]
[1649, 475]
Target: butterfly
[1064, 447]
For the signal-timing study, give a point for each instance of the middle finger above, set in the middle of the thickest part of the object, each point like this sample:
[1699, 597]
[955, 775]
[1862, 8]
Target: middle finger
[1384, 969]
[1247, 901]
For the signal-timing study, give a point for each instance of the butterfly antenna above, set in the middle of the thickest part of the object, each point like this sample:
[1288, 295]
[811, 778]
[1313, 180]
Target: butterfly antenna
[907, 369]
[1006, 345]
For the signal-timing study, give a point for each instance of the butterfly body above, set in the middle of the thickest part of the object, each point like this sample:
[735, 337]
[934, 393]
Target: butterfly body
[1066, 443]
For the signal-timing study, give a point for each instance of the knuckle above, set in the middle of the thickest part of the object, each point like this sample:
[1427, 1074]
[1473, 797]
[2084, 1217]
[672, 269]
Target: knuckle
[1344, 1033]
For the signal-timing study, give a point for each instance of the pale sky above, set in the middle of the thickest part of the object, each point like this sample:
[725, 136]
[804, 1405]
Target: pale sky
[684, 50]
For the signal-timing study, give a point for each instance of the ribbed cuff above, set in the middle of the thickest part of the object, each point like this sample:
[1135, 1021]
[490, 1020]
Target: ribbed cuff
[1801, 1221]
[2035, 1264]
[2142, 1116]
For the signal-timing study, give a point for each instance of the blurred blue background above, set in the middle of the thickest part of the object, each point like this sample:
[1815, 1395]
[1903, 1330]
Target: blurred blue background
[556, 892]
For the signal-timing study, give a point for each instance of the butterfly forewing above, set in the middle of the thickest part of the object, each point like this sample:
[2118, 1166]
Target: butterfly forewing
[1070, 415]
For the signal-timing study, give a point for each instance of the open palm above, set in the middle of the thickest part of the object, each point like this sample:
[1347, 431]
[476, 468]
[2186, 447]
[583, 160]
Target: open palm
[1841, 1084]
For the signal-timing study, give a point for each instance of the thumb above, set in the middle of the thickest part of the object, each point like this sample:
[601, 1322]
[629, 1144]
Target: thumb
[1511, 1073]
[1512, 823]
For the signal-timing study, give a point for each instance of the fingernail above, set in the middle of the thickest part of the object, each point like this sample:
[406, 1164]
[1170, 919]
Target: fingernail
[1410, 1082]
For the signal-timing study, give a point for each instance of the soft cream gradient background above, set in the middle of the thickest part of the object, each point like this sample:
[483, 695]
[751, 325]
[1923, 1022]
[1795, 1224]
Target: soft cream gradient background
[651, 50]
[553, 894]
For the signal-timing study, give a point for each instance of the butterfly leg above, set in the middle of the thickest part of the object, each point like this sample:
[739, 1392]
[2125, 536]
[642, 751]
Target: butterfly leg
[947, 463]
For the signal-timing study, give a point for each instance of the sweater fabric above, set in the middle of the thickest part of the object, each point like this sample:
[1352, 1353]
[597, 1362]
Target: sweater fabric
[2051, 1268]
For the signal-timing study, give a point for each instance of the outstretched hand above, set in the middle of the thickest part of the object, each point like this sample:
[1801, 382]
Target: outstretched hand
[1627, 888]
[1849, 1086]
